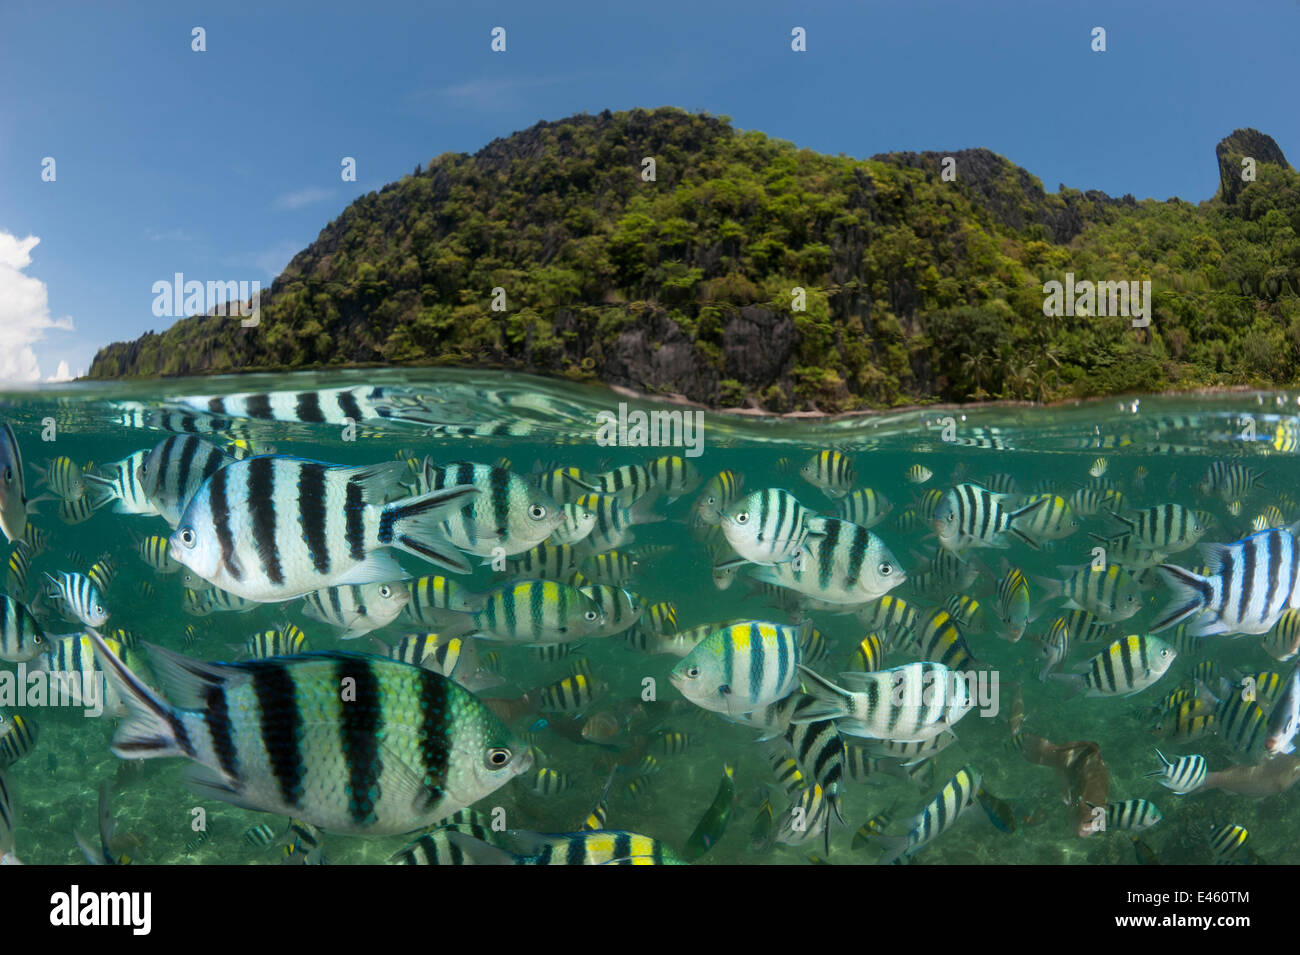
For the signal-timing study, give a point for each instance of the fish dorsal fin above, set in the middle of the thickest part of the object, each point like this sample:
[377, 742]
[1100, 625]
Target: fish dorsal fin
[184, 678]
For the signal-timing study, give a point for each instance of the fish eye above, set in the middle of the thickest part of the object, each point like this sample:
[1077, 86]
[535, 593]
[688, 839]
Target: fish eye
[885, 569]
[537, 512]
[97, 609]
[187, 536]
[742, 517]
[9, 474]
[951, 517]
[385, 590]
[693, 672]
[38, 639]
[498, 756]
[591, 615]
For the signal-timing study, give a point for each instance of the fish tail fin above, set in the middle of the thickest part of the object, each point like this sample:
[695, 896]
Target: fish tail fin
[1076, 681]
[152, 728]
[414, 525]
[1191, 593]
[832, 702]
[641, 511]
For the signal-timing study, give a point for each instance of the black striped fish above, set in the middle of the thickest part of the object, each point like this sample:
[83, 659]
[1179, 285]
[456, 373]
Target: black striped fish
[406, 750]
[216, 600]
[537, 611]
[437, 600]
[62, 476]
[336, 406]
[21, 637]
[1167, 528]
[1127, 666]
[818, 748]
[1110, 595]
[718, 495]
[619, 608]
[1247, 587]
[153, 550]
[549, 782]
[20, 565]
[507, 516]
[282, 642]
[674, 476]
[599, 847]
[73, 657]
[1053, 521]
[573, 694]
[741, 668]
[1243, 725]
[957, 795]
[628, 483]
[8, 822]
[80, 598]
[546, 561]
[614, 521]
[1183, 775]
[842, 564]
[1228, 842]
[78, 511]
[909, 703]
[260, 836]
[17, 737]
[806, 819]
[123, 486]
[173, 471]
[831, 472]
[1230, 481]
[870, 654]
[766, 527]
[613, 567]
[940, 640]
[973, 516]
[1131, 814]
[577, 525]
[13, 486]
[865, 507]
[890, 615]
[274, 528]
[356, 609]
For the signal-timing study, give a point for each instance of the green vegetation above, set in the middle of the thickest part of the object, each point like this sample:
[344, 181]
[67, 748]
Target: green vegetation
[917, 289]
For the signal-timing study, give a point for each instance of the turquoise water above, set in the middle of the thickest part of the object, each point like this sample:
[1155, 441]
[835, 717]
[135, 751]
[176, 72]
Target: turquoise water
[484, 417]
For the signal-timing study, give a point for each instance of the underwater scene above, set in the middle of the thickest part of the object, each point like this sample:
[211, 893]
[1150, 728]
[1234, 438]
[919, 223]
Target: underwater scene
[465, 617]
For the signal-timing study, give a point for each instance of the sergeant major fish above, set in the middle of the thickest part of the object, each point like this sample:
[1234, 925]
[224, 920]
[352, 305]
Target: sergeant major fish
[276, 735]
[274, 528]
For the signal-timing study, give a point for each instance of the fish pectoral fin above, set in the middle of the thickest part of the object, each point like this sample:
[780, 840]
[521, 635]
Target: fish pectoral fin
[378, 567]
[408, 785]
[205, 781]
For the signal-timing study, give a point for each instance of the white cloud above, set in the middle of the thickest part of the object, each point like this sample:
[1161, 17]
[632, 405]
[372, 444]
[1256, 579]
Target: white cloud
[24, 311]
[63, 374]
[303, 197]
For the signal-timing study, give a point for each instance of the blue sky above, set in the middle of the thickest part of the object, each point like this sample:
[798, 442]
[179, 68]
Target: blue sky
[222, 164]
